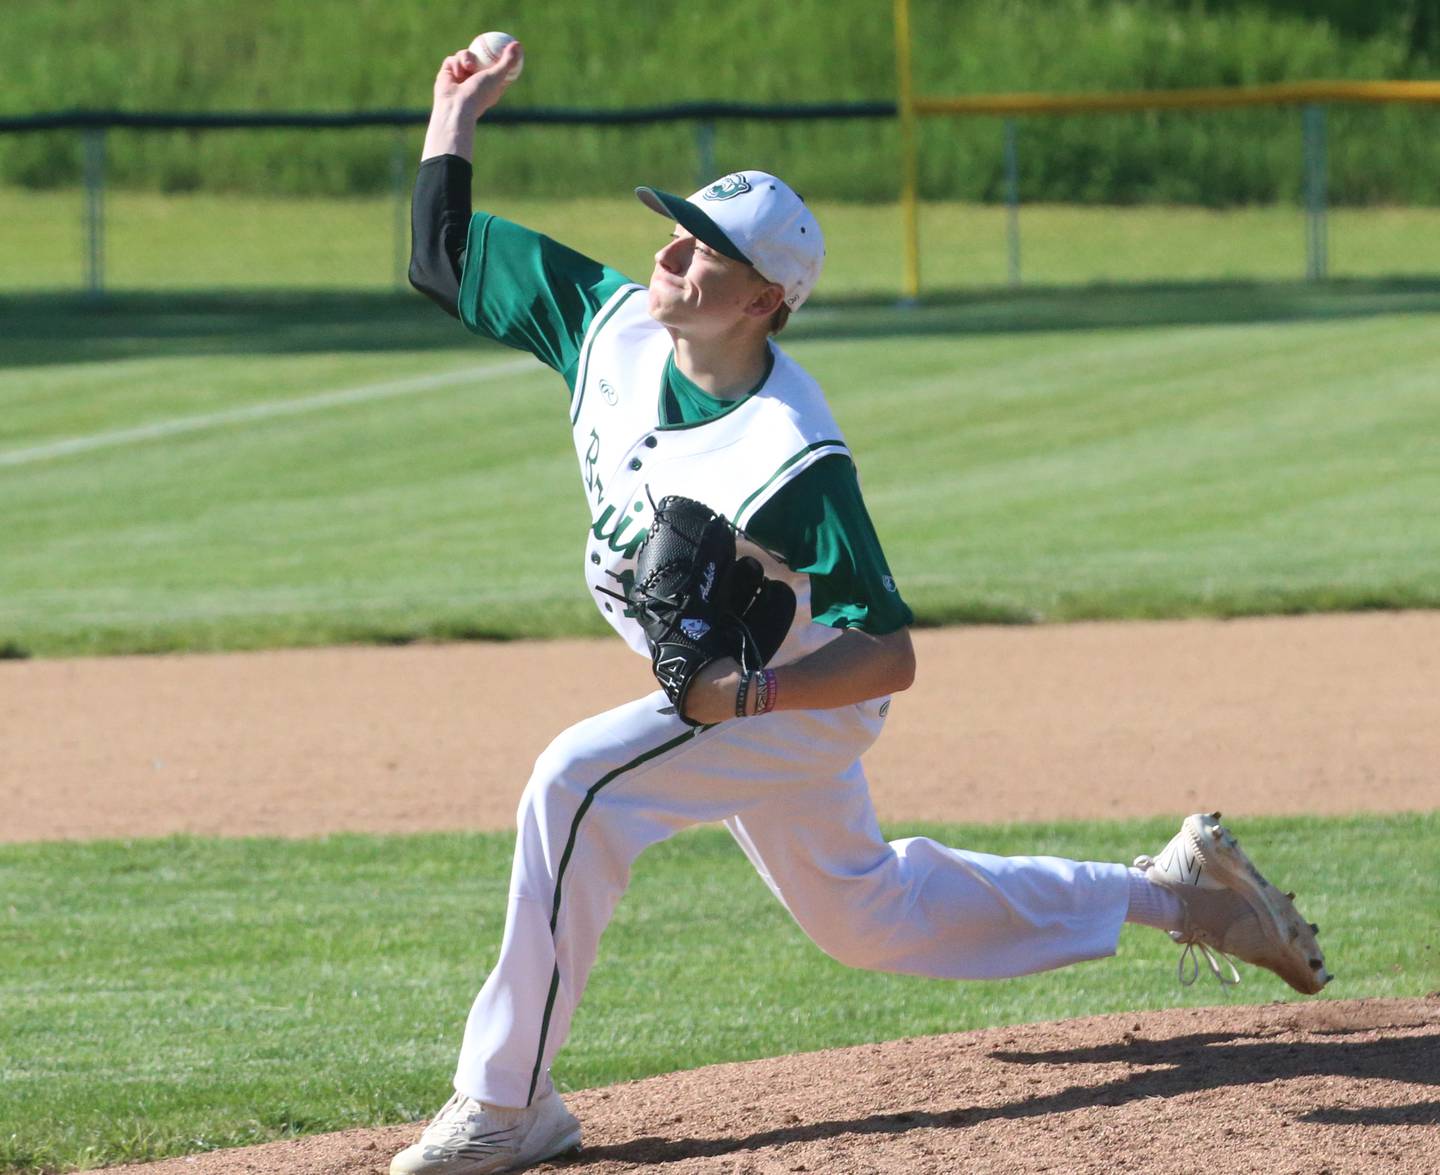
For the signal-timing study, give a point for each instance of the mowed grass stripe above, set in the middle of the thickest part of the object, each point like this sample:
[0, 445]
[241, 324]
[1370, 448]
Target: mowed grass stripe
[1212, 467]
[1170, 470]
[161, 997]
[174, 426]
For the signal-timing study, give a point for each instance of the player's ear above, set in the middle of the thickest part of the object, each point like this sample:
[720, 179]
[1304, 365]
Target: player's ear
[769, 297]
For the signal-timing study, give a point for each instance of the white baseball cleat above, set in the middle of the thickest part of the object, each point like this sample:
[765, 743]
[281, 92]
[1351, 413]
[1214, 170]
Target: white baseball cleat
[1230, 909]
[471, 1138]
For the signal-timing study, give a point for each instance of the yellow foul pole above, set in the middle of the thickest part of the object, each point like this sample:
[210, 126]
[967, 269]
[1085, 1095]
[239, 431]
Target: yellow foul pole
[909, 185]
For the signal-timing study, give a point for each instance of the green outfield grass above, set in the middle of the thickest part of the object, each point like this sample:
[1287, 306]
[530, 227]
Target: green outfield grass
[191, 472]
[194, 241]
[162, 997]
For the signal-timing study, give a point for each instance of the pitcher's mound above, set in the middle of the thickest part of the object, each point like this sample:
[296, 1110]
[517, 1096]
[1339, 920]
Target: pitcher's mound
[1320, 1086]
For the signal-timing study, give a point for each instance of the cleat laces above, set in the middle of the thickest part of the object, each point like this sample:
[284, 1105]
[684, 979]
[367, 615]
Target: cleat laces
[1188, 968]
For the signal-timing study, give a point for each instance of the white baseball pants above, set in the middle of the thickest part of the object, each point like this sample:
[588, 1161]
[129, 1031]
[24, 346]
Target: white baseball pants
[790, 788]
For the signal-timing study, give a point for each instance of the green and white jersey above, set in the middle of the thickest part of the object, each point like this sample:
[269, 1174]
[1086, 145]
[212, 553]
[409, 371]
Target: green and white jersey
[734, 462]
[526, 291]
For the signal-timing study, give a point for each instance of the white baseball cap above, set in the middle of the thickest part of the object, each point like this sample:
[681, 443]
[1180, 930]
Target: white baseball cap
[753, 217]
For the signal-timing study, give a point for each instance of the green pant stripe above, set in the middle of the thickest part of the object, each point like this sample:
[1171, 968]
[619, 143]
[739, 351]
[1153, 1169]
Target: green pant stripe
[590, 795]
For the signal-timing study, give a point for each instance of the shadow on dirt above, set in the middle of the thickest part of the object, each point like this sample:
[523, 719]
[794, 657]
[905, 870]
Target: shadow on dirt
[1168, 1068]
[1415, 1114]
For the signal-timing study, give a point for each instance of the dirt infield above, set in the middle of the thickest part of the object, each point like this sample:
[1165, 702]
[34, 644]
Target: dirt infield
[1329, 714]
[1320, 1087]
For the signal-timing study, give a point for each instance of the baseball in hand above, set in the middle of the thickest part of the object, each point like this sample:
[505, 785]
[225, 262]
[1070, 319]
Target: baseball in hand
[489, 46]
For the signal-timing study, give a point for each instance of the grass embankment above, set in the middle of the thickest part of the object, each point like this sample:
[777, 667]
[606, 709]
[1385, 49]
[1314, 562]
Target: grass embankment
[212, 474]
[189, 55]
[167, 996]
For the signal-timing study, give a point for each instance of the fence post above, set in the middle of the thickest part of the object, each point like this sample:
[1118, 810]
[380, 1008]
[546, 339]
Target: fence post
[1316, 193]
[94, 170]
[909, 158]
[398, 157]
[704, 152]
[1012, 200]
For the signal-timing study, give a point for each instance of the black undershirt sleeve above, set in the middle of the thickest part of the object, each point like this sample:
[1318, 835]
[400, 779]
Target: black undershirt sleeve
[439, 225]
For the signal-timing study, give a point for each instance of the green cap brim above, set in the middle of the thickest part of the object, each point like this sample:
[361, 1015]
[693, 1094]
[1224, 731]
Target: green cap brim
[692, 220]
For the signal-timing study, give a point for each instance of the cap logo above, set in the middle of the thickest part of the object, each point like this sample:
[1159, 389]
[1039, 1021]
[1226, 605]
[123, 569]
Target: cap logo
[728, 188]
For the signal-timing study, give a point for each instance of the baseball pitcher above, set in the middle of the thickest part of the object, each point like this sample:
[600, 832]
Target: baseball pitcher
[729, 543]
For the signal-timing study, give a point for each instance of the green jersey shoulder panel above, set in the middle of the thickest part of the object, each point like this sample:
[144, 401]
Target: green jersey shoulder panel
[532, 293]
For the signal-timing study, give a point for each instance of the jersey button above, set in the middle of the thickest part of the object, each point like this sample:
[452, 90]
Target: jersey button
[595, 558]
[651, 442]
[634, 462]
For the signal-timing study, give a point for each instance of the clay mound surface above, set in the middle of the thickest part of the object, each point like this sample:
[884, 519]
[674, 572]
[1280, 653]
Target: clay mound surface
[1334, 1086]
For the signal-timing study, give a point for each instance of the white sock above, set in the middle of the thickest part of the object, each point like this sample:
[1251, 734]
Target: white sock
[1153, 905]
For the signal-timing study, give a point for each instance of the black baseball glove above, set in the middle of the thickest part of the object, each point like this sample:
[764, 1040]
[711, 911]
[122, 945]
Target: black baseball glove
[698, 603]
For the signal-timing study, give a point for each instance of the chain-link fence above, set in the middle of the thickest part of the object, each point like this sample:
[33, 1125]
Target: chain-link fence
[1308, 227]
[1049, 199]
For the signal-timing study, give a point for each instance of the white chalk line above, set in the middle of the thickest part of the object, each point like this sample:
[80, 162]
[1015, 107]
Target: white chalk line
[177, 425]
